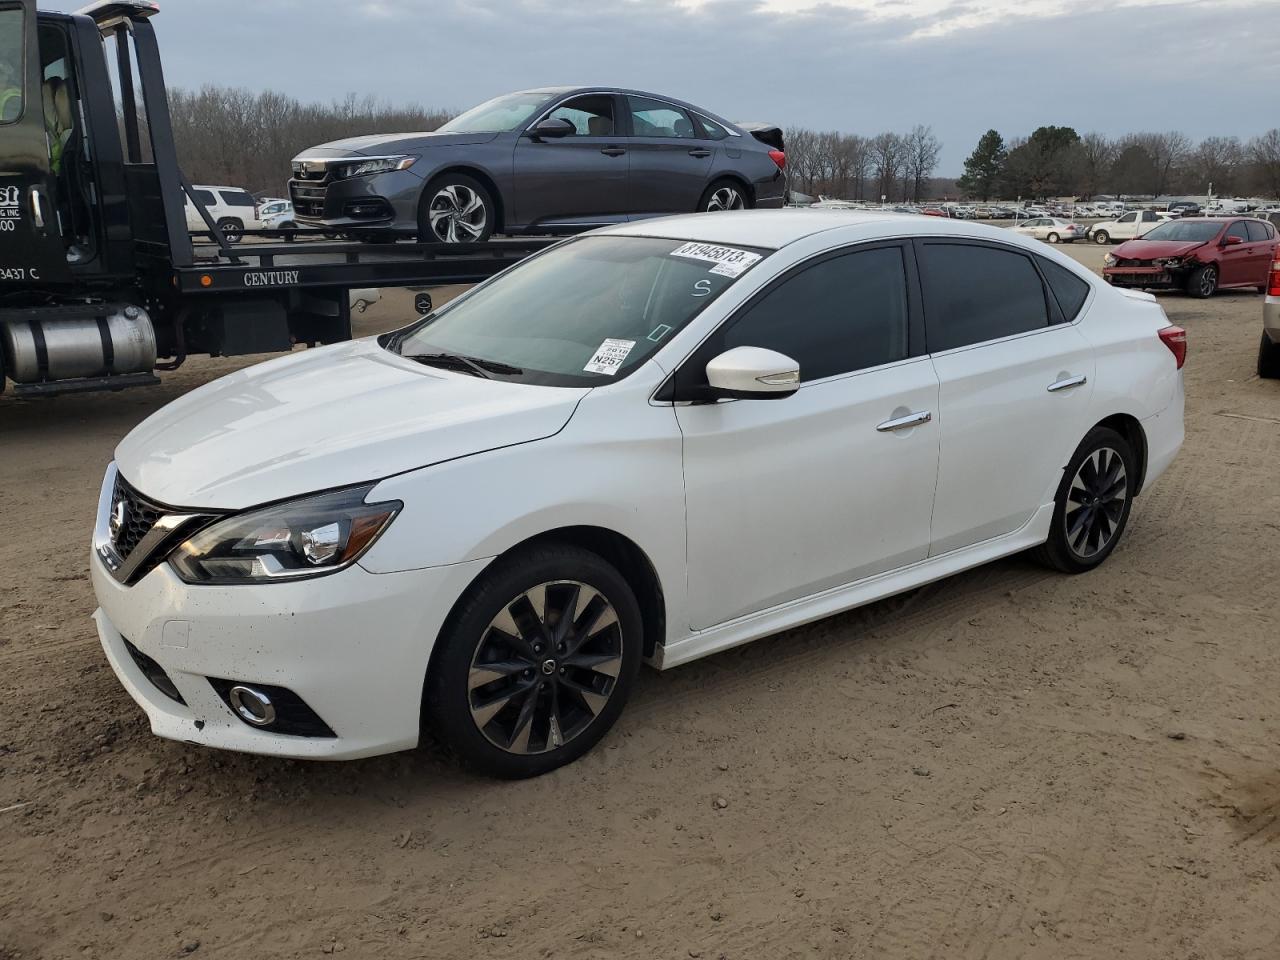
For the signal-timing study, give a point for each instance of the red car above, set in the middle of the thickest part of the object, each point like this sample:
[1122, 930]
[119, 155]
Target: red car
[1196, 254]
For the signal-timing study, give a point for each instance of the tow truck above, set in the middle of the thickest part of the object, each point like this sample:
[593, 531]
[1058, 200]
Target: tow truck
[101, 282]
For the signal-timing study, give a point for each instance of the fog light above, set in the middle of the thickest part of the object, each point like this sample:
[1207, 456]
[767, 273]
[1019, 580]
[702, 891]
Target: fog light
[253, 706]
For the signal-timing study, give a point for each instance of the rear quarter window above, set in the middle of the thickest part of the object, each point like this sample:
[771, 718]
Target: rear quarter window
[1069, 290]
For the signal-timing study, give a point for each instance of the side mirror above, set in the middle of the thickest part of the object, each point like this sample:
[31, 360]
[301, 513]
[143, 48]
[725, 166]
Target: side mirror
[1231, 241]
[422, 304]
[552, 128]
[753, 373]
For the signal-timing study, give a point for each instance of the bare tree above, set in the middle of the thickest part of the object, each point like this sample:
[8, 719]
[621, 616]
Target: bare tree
[887, 157]
[1264, 157]
[922, 149]
[1095, 155]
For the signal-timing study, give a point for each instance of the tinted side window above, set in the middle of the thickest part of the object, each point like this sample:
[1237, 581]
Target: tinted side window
[1258, 230]
[1237, 229]
[1128, 218]
[846, 313]
[205, 196]
[653, 118]
[1070, 291]
[236, 198]
[973, 294]
[11, 66]
[591, 116]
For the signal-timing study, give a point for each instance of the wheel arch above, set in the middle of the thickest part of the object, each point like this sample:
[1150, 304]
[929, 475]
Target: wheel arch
[748, 188]
[1130, 427]
[477, 173]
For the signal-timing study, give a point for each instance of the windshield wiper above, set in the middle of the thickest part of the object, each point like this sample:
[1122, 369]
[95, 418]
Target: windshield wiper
[476, 366]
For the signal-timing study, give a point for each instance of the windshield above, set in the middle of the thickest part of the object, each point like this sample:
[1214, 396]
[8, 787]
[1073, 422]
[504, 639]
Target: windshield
[585, 313]
[499, 115]
[1199, 231]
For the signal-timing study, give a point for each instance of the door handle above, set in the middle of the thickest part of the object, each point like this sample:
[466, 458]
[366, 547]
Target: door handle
[37, 207]
[700, 153]
[905, 423]
[1068, 383]
[613, 151]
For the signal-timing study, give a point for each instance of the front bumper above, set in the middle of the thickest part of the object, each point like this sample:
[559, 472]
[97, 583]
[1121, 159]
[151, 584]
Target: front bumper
[1142, 277]
[354, 646]
[332, 203]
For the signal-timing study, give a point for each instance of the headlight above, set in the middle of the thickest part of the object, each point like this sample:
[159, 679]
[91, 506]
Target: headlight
[378, 165]
[288, 541]
[1109, 260]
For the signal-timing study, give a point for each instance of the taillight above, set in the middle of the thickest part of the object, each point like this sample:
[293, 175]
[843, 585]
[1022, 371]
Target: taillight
[778, 157]
[1175, 338]
[1273, 282]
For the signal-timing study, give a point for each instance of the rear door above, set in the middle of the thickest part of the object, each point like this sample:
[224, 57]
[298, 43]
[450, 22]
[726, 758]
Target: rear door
[1262, 240]
[671, 159]
[31, 245]
[578, 180]
[1014, 385]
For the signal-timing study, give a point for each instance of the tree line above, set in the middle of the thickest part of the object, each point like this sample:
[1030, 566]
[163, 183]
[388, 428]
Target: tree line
[1059, 162]
[228, 135]
[897, 166]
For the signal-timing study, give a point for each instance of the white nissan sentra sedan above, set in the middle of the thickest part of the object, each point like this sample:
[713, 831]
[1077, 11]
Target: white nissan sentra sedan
[648, 443]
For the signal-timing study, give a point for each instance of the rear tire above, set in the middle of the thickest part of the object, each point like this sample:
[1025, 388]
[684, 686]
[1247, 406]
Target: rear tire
[232, 229]
[1053, 238]
[1101, 237]
[1203, 282]
[1268, 359]
[724, 194]
[1092, 506]
[456, 208]
[519, 688]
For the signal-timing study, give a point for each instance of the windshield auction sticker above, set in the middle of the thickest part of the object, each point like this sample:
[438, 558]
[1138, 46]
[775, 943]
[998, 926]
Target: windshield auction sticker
[609, 356]
[729, 261]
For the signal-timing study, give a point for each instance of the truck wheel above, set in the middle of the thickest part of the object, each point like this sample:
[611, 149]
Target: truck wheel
[1101, 237]
[1203, 282]
[1268, 359]
[456, 208]
[232, 229]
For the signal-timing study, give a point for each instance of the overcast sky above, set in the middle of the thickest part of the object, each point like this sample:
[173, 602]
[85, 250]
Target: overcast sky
[1205, 67]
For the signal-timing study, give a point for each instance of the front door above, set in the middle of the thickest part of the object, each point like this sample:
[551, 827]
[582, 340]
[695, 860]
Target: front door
[670, 160]
[577, 180]
[31, 244]
[787, 498]
[1236, 256]
[1013, 389]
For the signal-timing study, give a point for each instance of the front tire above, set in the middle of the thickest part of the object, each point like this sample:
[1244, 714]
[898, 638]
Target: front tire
[1101, 237]
[1092, 506]
[536, 662]
[456, 208]
[724, 195]
[1268, 359]
[1203, 282]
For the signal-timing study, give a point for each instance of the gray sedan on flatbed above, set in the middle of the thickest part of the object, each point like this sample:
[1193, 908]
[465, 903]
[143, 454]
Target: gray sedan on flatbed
[553, 160]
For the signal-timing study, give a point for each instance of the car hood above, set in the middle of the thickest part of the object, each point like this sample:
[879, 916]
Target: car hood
[1155, 249]
[326, 418]
[391, 143]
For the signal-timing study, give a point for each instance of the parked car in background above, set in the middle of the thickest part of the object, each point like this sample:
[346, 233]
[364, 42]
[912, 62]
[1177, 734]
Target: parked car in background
[233, 209]
[483, 522]
[1197, 254]
[1269, 349]
[554, 160]
[278, 215]
[1050, 229]
[1185, 208]
[1126, 227]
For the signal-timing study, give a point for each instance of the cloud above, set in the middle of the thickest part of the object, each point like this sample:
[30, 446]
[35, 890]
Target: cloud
[1203, 66]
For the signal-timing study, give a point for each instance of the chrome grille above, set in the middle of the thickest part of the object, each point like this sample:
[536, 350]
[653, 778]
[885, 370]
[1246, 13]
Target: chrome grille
[308, 189]
[132, 517]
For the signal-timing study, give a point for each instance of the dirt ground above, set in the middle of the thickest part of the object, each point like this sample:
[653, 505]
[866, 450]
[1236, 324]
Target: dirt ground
[1010, 763]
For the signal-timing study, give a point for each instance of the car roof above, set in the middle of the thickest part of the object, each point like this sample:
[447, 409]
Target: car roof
[627, 92]
[773, 229]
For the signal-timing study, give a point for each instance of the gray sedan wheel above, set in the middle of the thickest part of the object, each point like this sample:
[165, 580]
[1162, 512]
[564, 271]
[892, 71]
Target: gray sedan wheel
[456, 208]
[723, 195]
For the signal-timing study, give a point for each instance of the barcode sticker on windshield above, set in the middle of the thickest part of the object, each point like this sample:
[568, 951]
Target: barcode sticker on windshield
[729, 261]
[609, 356]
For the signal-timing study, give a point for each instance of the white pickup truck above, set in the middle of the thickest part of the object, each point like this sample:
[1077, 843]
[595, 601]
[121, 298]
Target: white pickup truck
[1127, 227]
